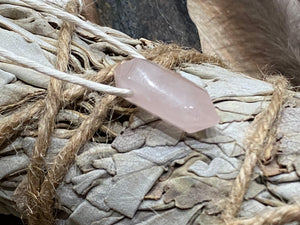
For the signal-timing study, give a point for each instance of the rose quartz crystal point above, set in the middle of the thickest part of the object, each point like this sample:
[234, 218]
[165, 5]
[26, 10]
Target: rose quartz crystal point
[166, 94]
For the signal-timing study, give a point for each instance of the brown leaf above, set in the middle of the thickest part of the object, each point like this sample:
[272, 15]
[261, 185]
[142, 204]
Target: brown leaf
[187, 192]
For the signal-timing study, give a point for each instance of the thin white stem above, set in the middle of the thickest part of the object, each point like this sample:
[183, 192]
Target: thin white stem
[83, 24]
[64, 76]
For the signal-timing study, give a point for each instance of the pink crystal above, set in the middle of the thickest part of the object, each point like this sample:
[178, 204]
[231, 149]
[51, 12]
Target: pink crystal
[166, 94]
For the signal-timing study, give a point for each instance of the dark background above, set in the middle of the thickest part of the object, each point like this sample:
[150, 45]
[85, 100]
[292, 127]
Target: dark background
[9, 220]
[163, 20]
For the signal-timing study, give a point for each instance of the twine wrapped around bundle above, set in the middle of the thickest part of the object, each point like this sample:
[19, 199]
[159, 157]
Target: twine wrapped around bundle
[40, 200]
[35, 196]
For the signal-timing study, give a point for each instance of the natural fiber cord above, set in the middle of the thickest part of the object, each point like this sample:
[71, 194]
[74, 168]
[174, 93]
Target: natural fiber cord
[254, 148]
[17, 122]
[278, 215]
[66, 157]
[172, 55]
[46, 124]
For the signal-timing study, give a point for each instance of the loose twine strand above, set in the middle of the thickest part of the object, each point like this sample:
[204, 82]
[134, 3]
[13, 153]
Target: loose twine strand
[46, 124]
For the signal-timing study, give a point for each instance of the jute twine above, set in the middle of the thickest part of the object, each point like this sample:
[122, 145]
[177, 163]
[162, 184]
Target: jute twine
[16, 122]
[36, 170]
[66, 157]
[69, 95]
[257, 142]
[278, 215]
[172, 55]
